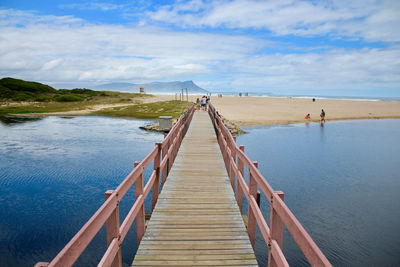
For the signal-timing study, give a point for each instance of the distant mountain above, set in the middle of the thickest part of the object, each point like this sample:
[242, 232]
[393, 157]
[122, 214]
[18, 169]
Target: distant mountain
[154, 87]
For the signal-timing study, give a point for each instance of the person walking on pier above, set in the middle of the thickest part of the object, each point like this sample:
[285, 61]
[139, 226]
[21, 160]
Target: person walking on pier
[197, 104]
[204, 103]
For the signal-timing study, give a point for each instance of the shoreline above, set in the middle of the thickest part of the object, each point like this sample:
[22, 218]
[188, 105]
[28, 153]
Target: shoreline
[271, 123]
[258, 111]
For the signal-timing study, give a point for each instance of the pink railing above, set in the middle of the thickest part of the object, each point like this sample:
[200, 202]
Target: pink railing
[235, 159]
[163, 156]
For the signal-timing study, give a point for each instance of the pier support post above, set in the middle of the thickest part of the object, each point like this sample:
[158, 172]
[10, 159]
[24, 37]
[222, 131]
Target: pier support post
[156, 185]
[233, 158]
[112, 230]
[140, 218]
[276, 228]
[239, 192]
[164, 170]
[251, 227]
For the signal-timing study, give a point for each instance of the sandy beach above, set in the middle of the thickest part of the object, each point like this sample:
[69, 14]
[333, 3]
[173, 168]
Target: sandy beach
[246, 111]
[251, 111]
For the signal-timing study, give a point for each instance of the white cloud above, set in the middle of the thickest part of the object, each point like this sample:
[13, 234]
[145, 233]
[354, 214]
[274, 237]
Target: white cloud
[51, 64]
[372, 20]
[336, 69]
[60, 50]
[17, 18]
[93, 6]
[95, 53]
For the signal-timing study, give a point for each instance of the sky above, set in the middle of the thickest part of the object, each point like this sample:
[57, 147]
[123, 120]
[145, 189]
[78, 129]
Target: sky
[282, 46]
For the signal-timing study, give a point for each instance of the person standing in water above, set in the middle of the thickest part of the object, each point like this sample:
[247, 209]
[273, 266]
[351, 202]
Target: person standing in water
[322, 116]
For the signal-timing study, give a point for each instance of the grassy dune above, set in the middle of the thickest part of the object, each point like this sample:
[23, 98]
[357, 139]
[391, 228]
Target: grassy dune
[7, 107]
[172, 108]
[24, 97]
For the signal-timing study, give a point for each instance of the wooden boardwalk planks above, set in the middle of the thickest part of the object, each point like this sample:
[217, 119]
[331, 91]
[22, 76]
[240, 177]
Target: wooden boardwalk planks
[196, 221]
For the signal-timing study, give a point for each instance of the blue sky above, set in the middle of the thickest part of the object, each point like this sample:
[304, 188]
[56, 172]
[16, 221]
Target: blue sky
[283, 47]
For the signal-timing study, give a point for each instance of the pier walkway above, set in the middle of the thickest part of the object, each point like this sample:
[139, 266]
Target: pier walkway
[196, 220]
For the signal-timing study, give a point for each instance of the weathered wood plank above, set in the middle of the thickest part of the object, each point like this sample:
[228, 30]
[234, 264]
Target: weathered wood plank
[195, 237]
[195, 257]
[196, 263]
[223, 251]
[194, 246]
[166, 216]
[197, 230]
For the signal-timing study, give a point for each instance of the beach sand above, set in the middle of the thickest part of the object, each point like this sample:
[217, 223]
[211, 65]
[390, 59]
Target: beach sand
[246, 111]
[251, 111]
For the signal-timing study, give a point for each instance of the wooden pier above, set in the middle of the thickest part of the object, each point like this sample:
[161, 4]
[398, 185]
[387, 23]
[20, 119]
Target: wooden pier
[196, 220]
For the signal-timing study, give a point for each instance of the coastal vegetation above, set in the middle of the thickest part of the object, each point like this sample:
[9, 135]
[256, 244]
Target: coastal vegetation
[23, 97]
[18, 97]
[172, 108]
[19, 90]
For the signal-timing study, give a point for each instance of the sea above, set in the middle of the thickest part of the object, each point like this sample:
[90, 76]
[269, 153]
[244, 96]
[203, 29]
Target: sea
[309, 96]
[342, 182]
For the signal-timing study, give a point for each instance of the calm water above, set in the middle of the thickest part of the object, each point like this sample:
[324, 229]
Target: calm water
[341, 181]
[53, 175]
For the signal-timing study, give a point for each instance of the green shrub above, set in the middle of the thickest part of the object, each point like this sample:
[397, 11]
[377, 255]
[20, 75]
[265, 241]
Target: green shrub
[22, 96]
[69, 98]
[20, 85]
[63, 91]
[42, 99]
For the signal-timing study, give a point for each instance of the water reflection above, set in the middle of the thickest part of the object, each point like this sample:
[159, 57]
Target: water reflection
[13, 120]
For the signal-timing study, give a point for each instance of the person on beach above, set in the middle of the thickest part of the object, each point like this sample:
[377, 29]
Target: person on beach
[322, 115]
[307, 117]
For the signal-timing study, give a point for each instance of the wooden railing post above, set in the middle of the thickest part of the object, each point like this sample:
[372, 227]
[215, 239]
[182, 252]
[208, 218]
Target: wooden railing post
[156, 185]
[112, 230]
[276, 228]
[227, 156]
[251, 225]
[164, 170]
[239, 192]
[171, 156]
[140, 218]
[233, 158]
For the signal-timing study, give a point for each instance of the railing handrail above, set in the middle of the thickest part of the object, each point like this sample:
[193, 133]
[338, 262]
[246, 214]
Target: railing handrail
[280, 213]
[108, 212]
